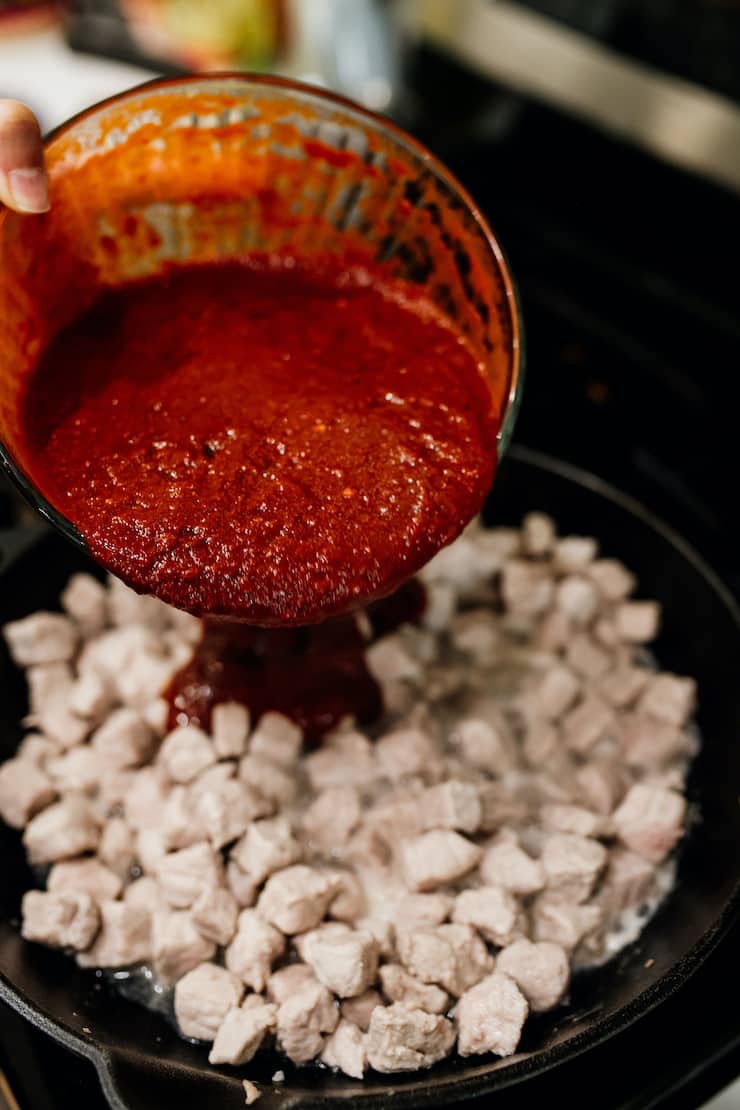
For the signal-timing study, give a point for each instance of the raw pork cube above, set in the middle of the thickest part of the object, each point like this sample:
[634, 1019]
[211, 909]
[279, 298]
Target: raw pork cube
[241, 1033]
[302, 1021]
[541, 740]
[150, 849]
[559, 817]
[437, 857]
[177, 945]
[601, 784]
[230, 729]
[88, 876]
[476, 633]
[62, 920]
[556, 692]
[585, 725]
[181, 826]
[41, 638]
[125, 937]
[146, 796]
[186, 752]
[538, 534]
[554, 631]
[628, 880]
[541, 971]
[401, 1039]
[36, 748]
[185, 874]
[649, 742]
[344, 759]
[586, 658]
[573, 554]
[24, 790]
[215, 913]
[203, 998]
[267, 846]
[395, 820]
[277, 738]
[64, 829]
[251, 1091]
[123, 740]
[349, 902]
[241, 884]
[572, 865]
[85, 600]
[90, 696]
[669, 698]
[157, 715]
[226, 812]
[622, 686]
[564, 923]
[344, 960]
[117, 847]
[78, 770]
[451, 805]
[650, 820]
[406, 751]
[345, 1050]
[110, 654]
[578, 598]
[146, 676]
[486, 744]
[423, 909]
[359, 1010]
[612, 578]
[269, 779]
[287, 981]
[296, 898]
[399, 986]
[490, 1017]
[49, 689]
[145, 894]
[331, 818]
[493, 911]
[637, 622]
[388, 660]
[252, 951]
[452, 955]
[525, 588]
[507, 865]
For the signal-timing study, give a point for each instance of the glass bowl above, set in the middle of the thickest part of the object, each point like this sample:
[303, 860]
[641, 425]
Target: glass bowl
[209, 168]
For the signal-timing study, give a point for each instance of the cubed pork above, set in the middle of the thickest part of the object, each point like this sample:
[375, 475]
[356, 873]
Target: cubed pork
[66, 828]
[541, 971]
[117, 846]
[25, 789]
[41, 638]
[492, 910]
[215, 913]
[241, 884]
[453, 956]
[637, 622]
[564, 923]
[612, 578]
[485, 744]
[91, 696]
[578, 598]
[553, 632]
[572, 865]
[78, 770]
[669, 698]
[437, 857]
[399, 986]
[66, 919]
[585, 725]
[402, 1039]
[649, 742]
[186, 752]
[506, 864]
[601, 784]
[203, 997]
[241, 1033]
[266, 847]
[451, 805]
[183, 875]
[302, 1021]
[296, 898]
[331, 818]
[561, 817]
[177, 946]
[573, 554]
[587, 658]
[407, 751]
[85, 600]
[623, 685]
[650, 820]
[277, 738]
[423, 909]
[254, 948]
[287, 981]
[230, 729]
[345, 1050]
[226, 812]
[125, 937]
[145, 798]
[359, 1010]
[123, 740]
[346, 759]
[538, 534]
[490, 1016]
[181, 825]
[349, 902]
[556, 691]
[628, 880]
[345, 960]
[270, 779]
[89, 876]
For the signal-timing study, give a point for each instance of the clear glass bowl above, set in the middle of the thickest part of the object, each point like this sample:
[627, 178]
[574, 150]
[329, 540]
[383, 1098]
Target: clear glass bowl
[208, 168]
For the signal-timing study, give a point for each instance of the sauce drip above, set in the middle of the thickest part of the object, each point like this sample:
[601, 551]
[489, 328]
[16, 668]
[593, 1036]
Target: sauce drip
[275, 440]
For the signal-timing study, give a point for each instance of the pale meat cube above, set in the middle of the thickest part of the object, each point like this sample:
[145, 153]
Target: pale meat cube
[271, 780]
[578, 598]
[110, 654]
[589, 722]
[587, 658]
[145, 798]
[344, 960]
[453, 956]
[476, 633]
[61, 920]
[146, 676]
[215, 913]
[302, 1021]
[127, 607]
[560, 817]
[506, 864]
[184, 874]
[486, 744]
[241, 1033]
[564, 923]
[399, 986]
[125, 937]
[401, 1039]
[493, 911]
[331, 818]
[541, 740]
[623, 685]
[230, 729]
[637, 622]
[251, 1091]
[226, 812]
[601, 784]
[241, 884]
[88, 876]
[541, 971]
[359, 1010]
[66, 828]
[423, 909]
[349, 902]
[554, 631]
[177, 946]
[214, 777]
[203, 997]
[628, 880]
[525, 588]
[440, 606]
[25, 789]
[437, 857]
[41, 638]
[296, 898]
[123, 740]
[572, 865]
[650, 820]
[287, 981]
[343, 760]
[612, 578]
[383, 931]
[605, 633]
[181, 825]
[254, 948]
[538, 534]
[85, 600]
[669, 698]
[573, 554]
[407, 751]
[266, 847]
[556, 691]
[394, 820]
[451, 805]
[117, 847]
[388, 660]
[277, 738]
[490, 1016]
[150, 849]
[49, 688]
[345, 1050]
[90, 696]
[157, 715]
[78, 770]
[367, 847]
[186, 752]
[649, 742]
[36, 748]
[145, 893]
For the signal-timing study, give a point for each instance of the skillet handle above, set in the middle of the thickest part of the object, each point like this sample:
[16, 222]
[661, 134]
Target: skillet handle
[134, 1084]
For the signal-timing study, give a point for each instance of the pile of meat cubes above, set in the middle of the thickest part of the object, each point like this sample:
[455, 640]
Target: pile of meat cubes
[395, 894]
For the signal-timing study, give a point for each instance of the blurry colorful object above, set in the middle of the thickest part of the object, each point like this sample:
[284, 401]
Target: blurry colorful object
[18, 16]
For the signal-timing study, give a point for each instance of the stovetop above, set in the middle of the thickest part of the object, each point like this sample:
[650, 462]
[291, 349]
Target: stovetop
[625, 268]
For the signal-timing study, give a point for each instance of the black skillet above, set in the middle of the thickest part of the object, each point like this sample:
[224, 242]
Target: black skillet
[143, 1064]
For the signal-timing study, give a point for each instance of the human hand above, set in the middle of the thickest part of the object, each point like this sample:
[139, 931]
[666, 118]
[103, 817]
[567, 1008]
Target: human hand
[23, 183]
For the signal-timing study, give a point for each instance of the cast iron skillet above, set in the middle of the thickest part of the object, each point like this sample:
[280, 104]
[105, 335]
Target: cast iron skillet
[142, 1063]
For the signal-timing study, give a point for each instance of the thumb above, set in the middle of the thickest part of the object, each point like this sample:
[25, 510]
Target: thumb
[23, 184]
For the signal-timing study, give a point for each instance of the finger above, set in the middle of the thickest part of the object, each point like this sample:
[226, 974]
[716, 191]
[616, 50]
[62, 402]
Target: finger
[23, 184]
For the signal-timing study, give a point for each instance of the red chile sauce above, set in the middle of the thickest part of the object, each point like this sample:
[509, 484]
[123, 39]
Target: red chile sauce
[270, 441]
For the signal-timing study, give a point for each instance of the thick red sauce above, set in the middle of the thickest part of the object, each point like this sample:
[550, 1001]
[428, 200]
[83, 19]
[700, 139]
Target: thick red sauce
[269, 440]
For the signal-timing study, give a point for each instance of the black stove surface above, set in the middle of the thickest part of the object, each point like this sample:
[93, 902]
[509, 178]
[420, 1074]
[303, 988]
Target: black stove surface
[626, 273]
